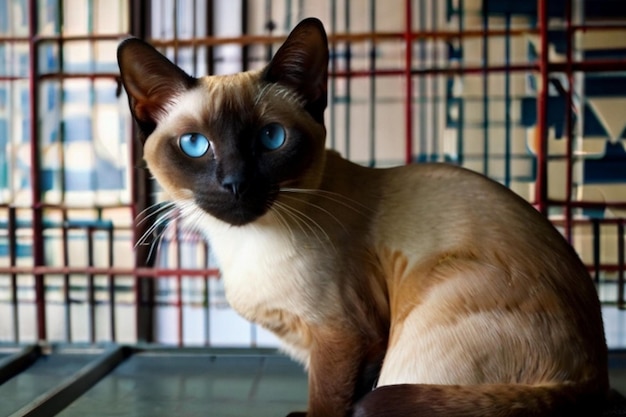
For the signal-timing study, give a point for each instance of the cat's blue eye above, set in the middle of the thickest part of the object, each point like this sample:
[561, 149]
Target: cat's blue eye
[194, 145]
[272, 136]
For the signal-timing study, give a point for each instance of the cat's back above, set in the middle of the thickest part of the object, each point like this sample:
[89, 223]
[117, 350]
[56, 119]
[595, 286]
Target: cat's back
[448, 206]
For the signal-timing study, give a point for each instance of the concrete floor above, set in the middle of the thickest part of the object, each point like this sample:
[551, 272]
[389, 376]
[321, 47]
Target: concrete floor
[189, 382]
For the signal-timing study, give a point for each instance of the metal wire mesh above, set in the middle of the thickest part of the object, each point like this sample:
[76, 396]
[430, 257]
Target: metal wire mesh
[527, 93]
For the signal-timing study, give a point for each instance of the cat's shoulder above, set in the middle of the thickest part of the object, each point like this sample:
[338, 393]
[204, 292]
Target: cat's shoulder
[440, 172]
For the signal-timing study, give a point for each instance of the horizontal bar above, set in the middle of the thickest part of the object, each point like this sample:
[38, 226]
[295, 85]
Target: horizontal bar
[65, 206]
[605, 268]
[582, 66]
[55, 400]
[64, 38]
[18, 362]
[333, 37]
[95, 270]
[67, 75]
[188, 273]
[602, 222]
[445, 35]
[589, 204]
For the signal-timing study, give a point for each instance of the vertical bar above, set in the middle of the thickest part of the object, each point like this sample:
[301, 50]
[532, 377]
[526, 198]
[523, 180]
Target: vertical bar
[507, 100]
[621, 265]
[332, 113]
[210, 30]
[66, 279]
[348, 81]
[596, 250]
[141, 190]
[179, 285]
[35, 170]
[461, 117]
[194, 34]
[541, 186]
[435, 156]
[91, 298]
[422, 101]
[12, 236]
[175, 30]
[245, 48]
[569, 125]
[111, 283]
[270, 26]
[207, 297]
[372, 80]
[485, 78]
[408, 77]
[140, 15]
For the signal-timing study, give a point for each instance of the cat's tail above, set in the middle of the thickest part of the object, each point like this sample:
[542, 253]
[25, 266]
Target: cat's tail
[505, 400]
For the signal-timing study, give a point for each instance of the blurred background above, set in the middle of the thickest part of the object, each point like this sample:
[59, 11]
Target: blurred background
[532, 94]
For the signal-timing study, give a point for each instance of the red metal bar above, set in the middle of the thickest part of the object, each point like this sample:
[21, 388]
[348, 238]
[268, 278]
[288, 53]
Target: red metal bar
[588, 204]
[541, 133]
[596, 65]
[103, 270]
[333, 37]
[408, 77]
[582, 66]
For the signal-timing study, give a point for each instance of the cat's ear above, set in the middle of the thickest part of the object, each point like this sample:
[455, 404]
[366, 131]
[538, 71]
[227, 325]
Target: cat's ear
[302, 63]
[150, 80]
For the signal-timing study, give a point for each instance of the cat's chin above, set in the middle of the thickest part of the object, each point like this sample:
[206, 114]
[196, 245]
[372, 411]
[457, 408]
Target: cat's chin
[235, 215]
[239, 219]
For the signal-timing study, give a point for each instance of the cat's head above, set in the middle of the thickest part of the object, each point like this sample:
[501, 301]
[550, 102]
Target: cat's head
[229, 143]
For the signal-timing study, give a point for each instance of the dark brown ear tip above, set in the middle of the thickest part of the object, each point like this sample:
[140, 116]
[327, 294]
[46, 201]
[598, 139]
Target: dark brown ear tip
[126, 42]
[311, 24]
[130, 44]
[312, 21]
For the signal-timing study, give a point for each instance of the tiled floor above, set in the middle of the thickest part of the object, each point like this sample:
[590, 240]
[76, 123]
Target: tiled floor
[168, 383]
[197, 385]
[189, 383]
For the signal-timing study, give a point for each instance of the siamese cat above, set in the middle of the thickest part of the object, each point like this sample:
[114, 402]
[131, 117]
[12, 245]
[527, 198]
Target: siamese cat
[423, 290]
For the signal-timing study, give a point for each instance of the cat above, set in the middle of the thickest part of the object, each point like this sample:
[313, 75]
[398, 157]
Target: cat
[421, 290]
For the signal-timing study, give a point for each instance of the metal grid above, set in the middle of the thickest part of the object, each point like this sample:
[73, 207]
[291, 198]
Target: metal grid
[511, 90]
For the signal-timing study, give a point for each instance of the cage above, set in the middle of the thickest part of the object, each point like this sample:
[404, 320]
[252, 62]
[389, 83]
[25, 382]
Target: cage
[529, 93]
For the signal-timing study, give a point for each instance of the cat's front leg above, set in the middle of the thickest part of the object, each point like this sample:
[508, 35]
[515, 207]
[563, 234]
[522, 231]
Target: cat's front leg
[335, 362]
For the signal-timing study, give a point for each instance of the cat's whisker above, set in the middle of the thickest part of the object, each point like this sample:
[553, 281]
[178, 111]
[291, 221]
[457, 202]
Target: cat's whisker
[156, 243]
[153, 210]
[303, 219]
[278, 215]
[282, 210]
[163, 219]
[340, 199]
[320, 208]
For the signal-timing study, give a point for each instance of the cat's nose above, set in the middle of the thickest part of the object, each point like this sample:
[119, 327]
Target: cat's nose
[235, 184]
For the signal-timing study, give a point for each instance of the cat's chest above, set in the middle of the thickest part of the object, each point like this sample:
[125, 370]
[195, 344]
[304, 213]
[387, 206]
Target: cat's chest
[266, 271]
